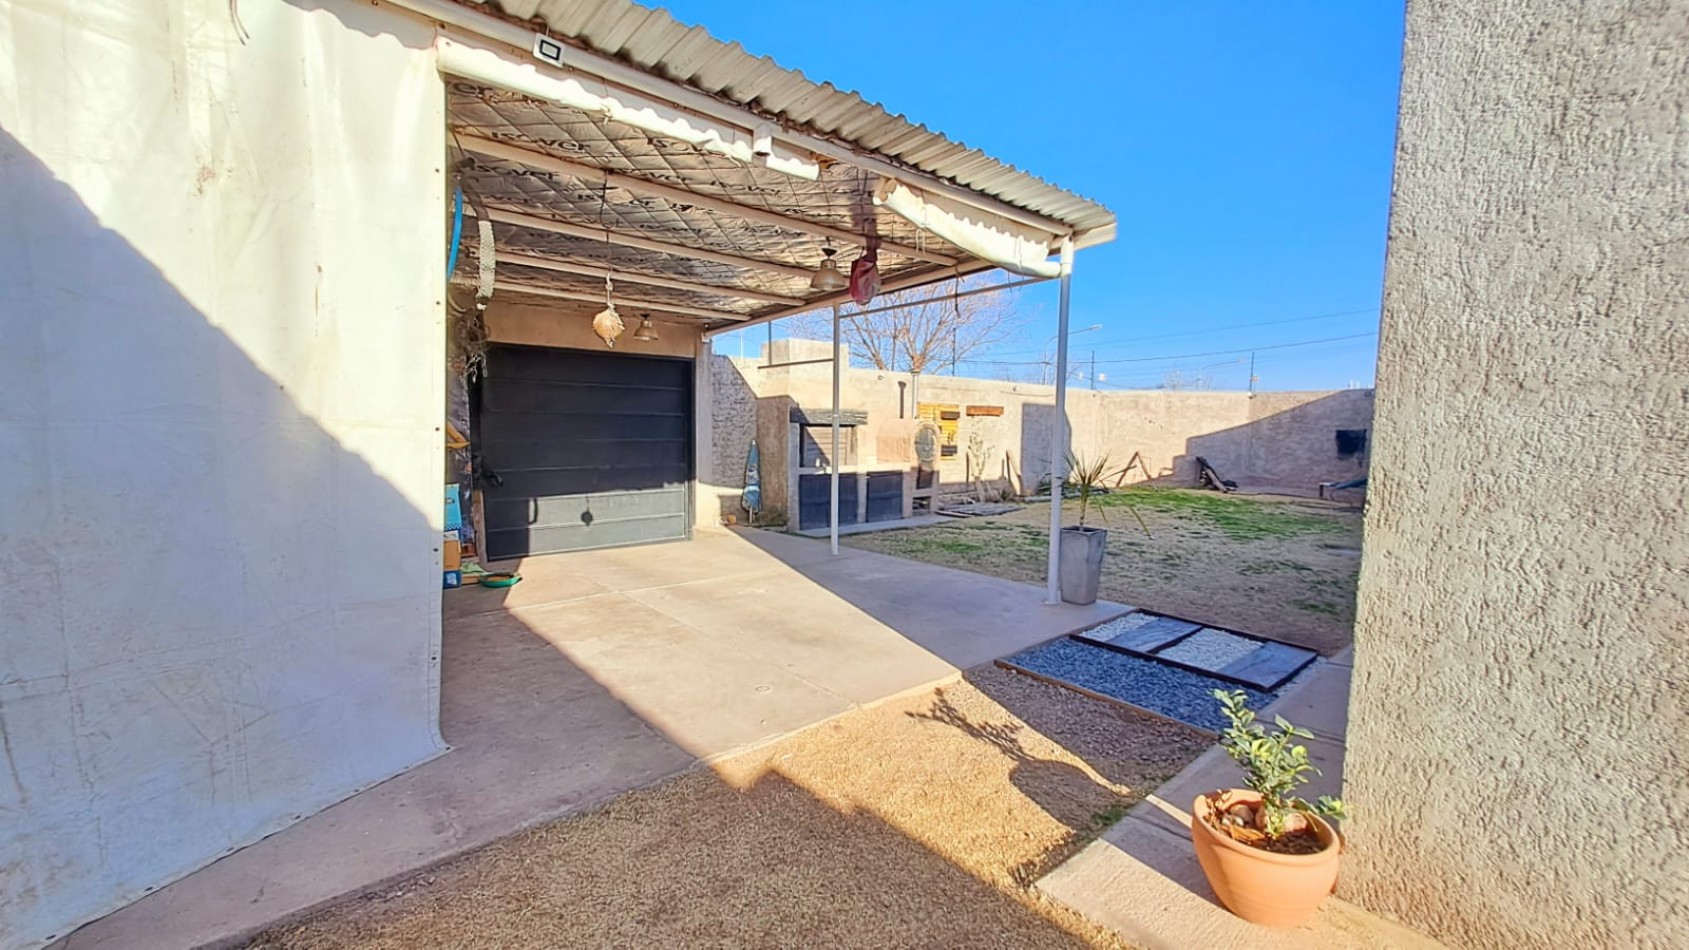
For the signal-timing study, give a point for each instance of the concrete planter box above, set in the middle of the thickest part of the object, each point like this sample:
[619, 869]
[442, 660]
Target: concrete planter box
[1080, 563]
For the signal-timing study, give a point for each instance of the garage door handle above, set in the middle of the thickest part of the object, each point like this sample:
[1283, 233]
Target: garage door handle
[533, 510]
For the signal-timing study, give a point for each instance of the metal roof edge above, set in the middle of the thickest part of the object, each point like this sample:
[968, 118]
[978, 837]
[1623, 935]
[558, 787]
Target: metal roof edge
[652, 40]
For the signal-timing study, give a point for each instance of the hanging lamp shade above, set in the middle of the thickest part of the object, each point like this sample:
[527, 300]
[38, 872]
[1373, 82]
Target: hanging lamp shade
[646, 332]
[827, 276]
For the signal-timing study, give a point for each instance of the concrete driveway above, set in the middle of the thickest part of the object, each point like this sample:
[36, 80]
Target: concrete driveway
[602, 672]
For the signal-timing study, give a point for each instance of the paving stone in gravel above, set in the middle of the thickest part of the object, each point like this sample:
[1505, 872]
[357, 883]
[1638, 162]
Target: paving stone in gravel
[1210, 649]
[1156, 634]
[1269, 666]
[1157, 687]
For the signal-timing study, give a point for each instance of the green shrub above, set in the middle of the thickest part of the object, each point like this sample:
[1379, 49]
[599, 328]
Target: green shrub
[1273, 766]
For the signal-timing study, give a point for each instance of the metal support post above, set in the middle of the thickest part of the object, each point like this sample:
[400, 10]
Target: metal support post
[833, 459]
[1058, 433]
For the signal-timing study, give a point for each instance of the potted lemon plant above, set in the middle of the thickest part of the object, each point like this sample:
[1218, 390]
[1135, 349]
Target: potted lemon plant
[1270, 856]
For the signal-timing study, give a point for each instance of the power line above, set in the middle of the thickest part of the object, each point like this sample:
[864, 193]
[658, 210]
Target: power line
[1235, 326]
[1184, 356]
[1242, 326]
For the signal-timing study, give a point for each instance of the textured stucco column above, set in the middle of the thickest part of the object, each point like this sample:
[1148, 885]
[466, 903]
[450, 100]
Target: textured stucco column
[1521, 697]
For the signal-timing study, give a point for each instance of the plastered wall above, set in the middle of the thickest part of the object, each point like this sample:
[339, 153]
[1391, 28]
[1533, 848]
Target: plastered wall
[1516, 759]
[537, 324]
[1281, 440]
[221, 259]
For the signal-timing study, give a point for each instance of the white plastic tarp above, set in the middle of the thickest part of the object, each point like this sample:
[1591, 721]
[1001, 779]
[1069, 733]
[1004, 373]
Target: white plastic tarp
[222, 241]
[1014, 247]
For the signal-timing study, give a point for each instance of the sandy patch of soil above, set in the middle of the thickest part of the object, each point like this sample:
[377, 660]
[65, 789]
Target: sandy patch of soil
[921, 821]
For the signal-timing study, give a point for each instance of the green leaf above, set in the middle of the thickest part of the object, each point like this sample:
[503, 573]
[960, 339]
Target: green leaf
[1273, 765]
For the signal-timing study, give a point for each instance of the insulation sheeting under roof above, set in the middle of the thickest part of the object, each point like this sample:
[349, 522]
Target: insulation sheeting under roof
[654, 41]
[841, 197]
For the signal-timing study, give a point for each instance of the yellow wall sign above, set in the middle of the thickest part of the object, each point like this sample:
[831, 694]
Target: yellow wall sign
[946, 417]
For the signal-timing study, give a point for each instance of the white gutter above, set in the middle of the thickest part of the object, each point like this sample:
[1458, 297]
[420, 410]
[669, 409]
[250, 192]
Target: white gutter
[700, 104]
[993, 238]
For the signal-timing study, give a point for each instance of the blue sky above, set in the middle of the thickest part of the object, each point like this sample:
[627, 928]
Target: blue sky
[1246, 148]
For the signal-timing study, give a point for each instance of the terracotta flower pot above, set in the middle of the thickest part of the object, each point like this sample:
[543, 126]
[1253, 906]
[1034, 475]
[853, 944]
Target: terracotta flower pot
[1263, 887]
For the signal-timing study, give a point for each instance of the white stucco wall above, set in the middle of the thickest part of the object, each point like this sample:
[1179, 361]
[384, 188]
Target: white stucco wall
[221, 341]
[1516, 757]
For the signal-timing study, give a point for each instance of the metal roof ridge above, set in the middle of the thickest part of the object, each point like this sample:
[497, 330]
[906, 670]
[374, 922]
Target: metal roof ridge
[583, 22]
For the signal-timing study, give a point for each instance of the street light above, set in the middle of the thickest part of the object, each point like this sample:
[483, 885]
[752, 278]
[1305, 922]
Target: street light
[1070, 335]
[1073, 333]
[1201, 381]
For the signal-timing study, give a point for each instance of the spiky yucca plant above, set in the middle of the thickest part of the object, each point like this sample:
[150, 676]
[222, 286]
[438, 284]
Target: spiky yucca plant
[1087, 476]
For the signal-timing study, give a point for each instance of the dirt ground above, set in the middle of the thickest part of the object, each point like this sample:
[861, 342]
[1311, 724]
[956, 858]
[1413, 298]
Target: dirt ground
[918, 822]
[1280, 567]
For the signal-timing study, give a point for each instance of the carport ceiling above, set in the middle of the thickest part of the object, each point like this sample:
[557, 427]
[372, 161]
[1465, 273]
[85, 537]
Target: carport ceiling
[690, 234]
[739, 254]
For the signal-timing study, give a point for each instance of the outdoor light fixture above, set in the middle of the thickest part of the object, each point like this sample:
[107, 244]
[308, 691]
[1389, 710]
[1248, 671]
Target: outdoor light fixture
[646, 332]
[827, 276]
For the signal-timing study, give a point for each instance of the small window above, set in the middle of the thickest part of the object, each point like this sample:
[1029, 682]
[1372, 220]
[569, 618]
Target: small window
[1350, 442]
[816, 443]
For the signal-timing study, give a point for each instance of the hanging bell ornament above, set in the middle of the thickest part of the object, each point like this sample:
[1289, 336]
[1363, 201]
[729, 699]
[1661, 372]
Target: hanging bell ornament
[608, 323]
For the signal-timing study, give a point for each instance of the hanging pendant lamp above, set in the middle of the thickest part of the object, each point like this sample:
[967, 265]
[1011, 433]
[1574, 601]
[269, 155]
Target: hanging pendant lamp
[608, 323]
[646, 332]
[827, 276]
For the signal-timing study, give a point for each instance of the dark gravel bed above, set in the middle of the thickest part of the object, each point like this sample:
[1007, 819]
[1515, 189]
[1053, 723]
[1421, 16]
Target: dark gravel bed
[1169, 691]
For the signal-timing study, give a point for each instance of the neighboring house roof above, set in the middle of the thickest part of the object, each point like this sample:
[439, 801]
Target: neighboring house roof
[656, 42]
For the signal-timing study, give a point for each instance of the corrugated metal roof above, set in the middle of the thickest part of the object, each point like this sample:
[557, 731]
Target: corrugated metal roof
[658, 43]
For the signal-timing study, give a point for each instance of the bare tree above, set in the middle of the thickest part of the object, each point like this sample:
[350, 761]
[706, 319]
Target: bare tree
[923, 337]
[1179, 379]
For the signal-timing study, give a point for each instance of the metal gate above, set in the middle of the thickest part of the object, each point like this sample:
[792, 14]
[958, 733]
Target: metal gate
[583, 450]
[815, 500]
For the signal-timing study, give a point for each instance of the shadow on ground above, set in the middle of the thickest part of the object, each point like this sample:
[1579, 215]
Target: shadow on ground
[922, 820]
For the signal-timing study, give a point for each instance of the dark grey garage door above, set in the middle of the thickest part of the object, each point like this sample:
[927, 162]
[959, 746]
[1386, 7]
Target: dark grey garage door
[591, 450]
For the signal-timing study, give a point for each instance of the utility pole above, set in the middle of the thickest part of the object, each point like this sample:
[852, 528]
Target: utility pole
[1093, 370]
[1251, 372]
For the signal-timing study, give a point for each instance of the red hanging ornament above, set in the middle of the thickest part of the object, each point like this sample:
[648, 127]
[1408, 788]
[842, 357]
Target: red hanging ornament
[865, 274]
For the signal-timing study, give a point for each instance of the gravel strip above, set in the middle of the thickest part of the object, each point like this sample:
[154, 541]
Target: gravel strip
[1157, 687]
[1104, 632]
[1210, 649]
